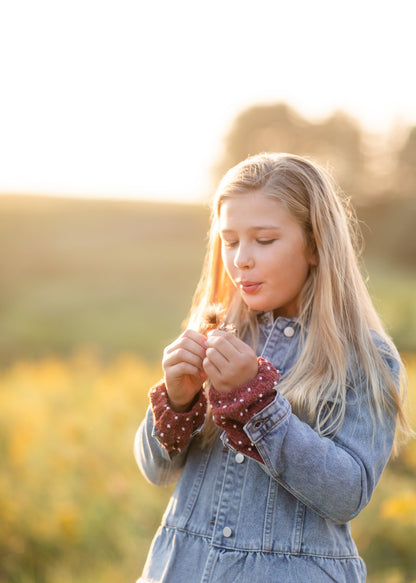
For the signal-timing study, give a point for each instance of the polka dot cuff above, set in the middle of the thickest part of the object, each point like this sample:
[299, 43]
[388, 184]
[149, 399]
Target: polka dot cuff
[232, 410]
[174, 430]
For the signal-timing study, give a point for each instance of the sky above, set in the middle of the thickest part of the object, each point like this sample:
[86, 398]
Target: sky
[133, 99]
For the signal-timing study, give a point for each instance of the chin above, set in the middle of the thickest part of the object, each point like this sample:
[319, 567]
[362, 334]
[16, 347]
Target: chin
[258, 306]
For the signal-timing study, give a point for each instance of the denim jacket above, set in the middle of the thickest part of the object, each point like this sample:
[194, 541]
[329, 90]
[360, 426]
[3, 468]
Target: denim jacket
[232, 519]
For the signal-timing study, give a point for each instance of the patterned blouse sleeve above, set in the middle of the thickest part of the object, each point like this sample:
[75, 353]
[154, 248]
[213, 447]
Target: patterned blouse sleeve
[232, 410]
[174, 430]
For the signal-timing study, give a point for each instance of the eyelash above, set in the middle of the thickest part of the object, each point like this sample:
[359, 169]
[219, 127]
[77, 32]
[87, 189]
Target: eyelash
[265, 241]
[231, 244]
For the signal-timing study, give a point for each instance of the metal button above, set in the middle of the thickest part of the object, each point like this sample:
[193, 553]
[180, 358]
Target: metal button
[227, 532]
[288, 331]
[239, 458]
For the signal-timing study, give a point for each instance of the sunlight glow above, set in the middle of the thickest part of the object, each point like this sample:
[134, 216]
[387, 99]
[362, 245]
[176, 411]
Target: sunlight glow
[133, 98]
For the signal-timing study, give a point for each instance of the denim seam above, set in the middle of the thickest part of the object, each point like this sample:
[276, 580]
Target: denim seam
[193, 496]
[269, 514]
[262, 551]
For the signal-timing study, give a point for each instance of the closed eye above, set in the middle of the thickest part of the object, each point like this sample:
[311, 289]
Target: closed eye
[229, 244]
[265, 241]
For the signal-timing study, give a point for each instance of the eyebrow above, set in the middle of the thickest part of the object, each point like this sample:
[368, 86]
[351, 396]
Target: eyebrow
[254, 228]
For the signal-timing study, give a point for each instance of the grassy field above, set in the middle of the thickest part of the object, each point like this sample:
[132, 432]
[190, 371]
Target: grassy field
[112, 275]
[90, 293]
[119, 276]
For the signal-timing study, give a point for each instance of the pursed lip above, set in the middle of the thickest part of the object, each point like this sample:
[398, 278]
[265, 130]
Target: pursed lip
[249, 287]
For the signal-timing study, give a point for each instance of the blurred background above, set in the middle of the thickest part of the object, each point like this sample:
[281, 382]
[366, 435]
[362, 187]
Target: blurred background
[117, 120]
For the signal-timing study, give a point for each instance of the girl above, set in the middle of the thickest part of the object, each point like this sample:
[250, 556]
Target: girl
[277, 414]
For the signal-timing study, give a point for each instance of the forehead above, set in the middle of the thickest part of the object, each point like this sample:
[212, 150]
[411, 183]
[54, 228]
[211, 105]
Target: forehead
[253, 209]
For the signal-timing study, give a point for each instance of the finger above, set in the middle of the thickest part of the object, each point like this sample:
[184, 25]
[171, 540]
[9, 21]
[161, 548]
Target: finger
[186, 343]
[192, 347]
[182, 355]
[217, 358]
[233, 339]
[180, 369]
[195, 336]
[211, 370]
[223, 344]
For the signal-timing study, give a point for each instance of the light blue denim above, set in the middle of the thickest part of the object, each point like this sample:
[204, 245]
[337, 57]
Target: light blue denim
[232, 519]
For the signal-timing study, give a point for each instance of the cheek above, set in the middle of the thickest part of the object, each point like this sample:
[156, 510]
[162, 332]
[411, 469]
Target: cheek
[300, 271]
[293, 266]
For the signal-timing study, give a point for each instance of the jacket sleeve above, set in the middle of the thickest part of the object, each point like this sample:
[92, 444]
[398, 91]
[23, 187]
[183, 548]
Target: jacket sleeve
[333, 476]
[152, 458]
[163, 438]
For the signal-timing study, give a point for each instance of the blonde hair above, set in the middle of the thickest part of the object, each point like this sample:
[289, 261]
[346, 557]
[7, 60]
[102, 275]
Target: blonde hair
[336, 314]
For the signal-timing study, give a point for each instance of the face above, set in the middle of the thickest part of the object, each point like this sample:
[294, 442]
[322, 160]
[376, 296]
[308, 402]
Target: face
[264, 253]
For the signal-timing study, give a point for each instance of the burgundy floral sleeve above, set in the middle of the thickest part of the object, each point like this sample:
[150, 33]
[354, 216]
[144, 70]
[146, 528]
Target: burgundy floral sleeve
[173, 429]
[232, 410]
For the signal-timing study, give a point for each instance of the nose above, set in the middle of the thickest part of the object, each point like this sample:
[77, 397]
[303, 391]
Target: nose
[243, 258]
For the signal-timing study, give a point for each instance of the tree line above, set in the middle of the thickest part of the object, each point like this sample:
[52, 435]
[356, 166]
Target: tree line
[377, 172]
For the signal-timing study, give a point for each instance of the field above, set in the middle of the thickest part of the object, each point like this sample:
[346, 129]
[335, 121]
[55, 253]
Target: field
[115, 276]
[74, 506]
[90, 293]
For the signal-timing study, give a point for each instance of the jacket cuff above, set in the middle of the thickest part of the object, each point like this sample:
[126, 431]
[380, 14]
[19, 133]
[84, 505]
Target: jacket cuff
[232, 410]
[174, 430]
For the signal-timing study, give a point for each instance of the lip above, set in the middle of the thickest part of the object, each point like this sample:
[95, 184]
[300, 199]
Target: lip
[249, 287]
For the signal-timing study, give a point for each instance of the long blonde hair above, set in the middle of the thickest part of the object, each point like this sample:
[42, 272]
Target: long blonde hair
[336, 314]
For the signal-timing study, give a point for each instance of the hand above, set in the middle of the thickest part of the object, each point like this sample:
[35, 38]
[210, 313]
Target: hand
[182, 365]
[229, 361]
